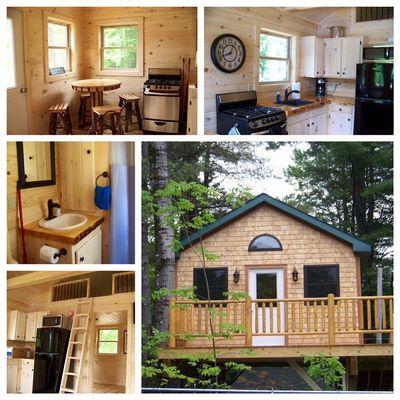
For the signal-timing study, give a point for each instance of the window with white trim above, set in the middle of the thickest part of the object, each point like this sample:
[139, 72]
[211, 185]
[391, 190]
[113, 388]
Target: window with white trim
[274, 58]
[59, 45]
[108, 341]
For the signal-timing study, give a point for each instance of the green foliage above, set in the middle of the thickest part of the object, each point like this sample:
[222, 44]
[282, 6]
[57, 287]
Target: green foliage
[329, 369]
[349, 185]
[192, 370]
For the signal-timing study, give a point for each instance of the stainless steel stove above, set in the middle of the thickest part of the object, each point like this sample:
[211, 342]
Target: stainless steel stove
[161, 100]
[238, 114]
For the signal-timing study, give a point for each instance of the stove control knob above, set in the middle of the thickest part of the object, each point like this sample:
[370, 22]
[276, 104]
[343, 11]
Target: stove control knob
[254, 124]
[264, 121]
[169, 87]
[165, 87]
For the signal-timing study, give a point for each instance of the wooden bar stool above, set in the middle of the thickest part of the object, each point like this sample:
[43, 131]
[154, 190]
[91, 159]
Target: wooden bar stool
[99, 120]
[126, 101]
[60, 119]
[84, 109]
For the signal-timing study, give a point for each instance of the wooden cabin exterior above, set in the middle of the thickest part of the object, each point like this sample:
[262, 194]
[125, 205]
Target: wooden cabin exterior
[32, 295]
[302, 280]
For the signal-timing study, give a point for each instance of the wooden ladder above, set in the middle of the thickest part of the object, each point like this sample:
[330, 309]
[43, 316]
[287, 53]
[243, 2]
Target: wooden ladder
[76, 347]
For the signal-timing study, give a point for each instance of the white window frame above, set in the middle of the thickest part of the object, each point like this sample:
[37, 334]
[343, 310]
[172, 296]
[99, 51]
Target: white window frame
[98, 341]
[138, 71]
[288, 59]
[62, 20]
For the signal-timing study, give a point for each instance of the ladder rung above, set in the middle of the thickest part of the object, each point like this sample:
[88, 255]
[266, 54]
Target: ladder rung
[71, 373]
[78, 328]
[66, 390]
[73, 358]
[81, 315]
[75, 342]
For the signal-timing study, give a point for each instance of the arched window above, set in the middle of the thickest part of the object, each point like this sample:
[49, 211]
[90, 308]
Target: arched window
[265, 243]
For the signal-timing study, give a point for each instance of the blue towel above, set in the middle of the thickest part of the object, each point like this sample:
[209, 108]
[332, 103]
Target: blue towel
[102, 197]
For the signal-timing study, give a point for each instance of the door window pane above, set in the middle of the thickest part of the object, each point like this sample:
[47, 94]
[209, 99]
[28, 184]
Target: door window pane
[108, 341]
[266, 286]
[10, 61]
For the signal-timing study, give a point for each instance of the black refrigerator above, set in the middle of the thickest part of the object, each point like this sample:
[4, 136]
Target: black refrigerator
[374, 99]
[50, 351]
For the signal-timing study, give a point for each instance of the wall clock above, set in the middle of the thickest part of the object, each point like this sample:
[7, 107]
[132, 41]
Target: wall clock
[228, 53]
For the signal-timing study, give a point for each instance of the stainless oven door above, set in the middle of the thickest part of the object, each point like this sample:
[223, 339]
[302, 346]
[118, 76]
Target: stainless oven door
[158, 126]
[161, 107]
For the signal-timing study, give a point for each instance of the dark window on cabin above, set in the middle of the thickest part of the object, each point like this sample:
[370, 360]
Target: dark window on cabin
[217, 281]
[321, 280]
[365, 14]
[265, 243]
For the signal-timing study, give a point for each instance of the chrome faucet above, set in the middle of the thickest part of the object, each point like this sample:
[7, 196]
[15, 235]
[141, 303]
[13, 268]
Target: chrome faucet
[50, 209]
[287, 93]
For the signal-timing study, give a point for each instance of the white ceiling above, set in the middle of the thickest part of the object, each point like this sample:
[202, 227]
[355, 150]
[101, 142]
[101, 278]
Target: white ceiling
[315, 15]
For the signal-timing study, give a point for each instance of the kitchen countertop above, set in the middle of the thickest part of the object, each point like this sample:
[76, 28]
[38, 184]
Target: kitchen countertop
[68, 237]
[290, 110]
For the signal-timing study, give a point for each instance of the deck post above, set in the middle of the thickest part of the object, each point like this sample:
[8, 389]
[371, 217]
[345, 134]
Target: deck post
[172, 323]
[331, 319]
[248, 323]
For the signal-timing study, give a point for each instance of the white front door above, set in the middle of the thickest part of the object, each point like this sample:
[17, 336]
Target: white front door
[17, 120]
[267, 283]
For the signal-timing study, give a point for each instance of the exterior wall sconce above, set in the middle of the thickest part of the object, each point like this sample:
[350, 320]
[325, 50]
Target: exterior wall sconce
[295, 275]
[236, 276]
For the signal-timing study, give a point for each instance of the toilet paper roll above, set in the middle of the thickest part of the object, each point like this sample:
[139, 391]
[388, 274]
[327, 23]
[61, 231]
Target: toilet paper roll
[296, 86]
[49, 254]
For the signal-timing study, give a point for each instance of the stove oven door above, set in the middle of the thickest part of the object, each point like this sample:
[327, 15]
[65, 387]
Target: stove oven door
[159, 107]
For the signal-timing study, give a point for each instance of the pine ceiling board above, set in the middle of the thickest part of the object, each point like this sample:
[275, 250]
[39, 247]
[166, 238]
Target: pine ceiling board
[112, 318]
[313, 14]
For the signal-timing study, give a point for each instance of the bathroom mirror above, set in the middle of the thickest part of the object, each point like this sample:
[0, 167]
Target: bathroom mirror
[36, 164]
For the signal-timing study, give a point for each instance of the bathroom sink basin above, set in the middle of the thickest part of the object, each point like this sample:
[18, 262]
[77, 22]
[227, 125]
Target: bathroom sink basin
[65, 222]
[296, 102]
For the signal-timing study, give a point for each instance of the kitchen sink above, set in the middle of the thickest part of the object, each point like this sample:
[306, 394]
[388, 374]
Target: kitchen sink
[296, 102]
[64, 222]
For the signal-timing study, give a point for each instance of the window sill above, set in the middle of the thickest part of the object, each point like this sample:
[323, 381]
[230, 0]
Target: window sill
[60, 77]
[120, 73]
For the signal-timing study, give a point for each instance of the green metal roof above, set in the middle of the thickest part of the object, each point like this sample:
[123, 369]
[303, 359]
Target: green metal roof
[358, 245]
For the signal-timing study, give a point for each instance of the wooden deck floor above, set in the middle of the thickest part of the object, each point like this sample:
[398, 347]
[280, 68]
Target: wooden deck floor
[281, 352]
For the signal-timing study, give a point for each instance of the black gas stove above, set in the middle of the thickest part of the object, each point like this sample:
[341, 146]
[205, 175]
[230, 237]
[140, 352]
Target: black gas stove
[238, 114]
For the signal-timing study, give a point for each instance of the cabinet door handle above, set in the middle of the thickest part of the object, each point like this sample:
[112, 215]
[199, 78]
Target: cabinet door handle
[338, 73]
[312, 123]
[340, 109]
[308, 125]
[81, 259]
[348, 119]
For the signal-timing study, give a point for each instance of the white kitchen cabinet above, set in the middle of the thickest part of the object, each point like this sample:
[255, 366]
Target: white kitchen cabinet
[332, 56]
[12, 375]
[312, 57]
[341, 56]
[20, 375]
[319, 124]
[351, 56]
[341, 119]
[33, 322]
[90, 252]
[298, 128]
[16, 325]
[26, 376]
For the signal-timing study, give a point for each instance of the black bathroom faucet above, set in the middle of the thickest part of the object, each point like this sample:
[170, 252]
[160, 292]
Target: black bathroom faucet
[50, 207]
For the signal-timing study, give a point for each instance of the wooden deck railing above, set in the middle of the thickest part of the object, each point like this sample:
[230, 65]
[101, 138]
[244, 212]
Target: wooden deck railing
[329, 316]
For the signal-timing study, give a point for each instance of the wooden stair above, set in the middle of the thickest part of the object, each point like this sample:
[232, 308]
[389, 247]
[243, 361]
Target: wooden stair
[76, 347]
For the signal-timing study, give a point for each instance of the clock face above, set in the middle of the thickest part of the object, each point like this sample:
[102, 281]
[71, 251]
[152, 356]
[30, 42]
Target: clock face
[228, 53]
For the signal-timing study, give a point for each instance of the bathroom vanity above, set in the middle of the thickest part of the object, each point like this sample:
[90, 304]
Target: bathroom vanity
[82, 244]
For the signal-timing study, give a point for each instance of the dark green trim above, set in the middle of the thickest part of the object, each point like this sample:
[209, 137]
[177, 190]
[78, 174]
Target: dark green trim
[358, 245]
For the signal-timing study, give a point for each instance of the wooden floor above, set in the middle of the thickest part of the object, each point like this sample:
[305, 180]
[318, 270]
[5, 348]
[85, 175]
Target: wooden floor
[99, 388]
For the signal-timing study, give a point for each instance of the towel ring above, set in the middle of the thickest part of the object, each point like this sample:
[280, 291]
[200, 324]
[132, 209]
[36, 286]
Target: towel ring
[104, 174]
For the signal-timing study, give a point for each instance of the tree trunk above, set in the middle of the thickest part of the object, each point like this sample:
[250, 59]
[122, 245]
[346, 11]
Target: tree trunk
[164, 234]
[146, 315]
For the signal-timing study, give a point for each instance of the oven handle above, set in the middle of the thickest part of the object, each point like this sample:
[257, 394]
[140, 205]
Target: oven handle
[166, 94]
[160, 123]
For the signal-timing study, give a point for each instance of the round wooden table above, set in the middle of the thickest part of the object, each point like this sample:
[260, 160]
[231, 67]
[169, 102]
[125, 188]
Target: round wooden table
[96, 87]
